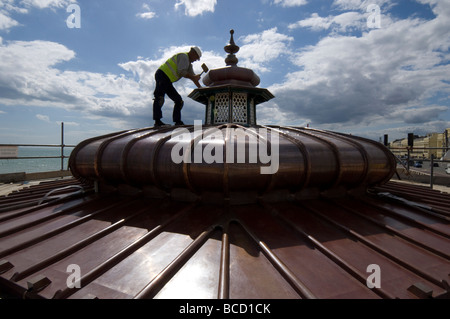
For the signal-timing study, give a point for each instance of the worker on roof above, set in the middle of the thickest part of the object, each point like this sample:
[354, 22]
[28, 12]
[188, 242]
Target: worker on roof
[178, 66]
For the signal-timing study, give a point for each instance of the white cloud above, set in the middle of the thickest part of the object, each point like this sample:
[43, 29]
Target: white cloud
[342, 23]
[41, 4]
[27, 72]
[356, 19]
[361, 4]
[9, 6]
[380, 77]
[315, 22]
[30, 76]
[148, 14]
[441, 8]
[44, 118]
[350, 20]
[258, 50]
[6, 22]
[196, 7]
[348, 4]
[290, 3]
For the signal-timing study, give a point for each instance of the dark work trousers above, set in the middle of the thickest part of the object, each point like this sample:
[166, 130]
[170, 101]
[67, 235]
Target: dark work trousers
[164, 86]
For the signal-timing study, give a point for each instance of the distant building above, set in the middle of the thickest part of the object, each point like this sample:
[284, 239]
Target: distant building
[424, 146]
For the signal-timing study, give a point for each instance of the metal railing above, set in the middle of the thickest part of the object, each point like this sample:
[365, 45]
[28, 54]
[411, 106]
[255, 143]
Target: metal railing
[407, 158]
[61, 146]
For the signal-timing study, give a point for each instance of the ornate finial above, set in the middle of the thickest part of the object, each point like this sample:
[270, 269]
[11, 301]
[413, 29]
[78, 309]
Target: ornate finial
[232, 48]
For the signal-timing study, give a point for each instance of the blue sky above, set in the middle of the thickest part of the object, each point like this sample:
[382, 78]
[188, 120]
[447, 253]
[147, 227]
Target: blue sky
[365, 67]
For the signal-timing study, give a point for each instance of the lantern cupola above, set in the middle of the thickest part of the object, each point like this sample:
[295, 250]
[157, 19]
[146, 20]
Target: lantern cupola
[230, 94]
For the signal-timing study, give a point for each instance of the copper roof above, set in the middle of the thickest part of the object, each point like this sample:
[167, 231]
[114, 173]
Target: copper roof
[143, 221]
[304, 161]
[135, 246]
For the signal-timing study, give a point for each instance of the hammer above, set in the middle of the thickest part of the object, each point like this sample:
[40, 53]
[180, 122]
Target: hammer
[205, 68]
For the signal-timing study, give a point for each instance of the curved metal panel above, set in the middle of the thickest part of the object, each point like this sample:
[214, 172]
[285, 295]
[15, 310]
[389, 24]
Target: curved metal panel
[230, 158]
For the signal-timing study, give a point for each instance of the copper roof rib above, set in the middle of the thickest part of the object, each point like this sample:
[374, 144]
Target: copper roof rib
[334, 257]
[299, 249]
[382, 249]
[122, 254]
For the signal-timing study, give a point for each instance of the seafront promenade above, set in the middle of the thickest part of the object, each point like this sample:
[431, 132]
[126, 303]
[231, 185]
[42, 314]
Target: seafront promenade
[16, 181]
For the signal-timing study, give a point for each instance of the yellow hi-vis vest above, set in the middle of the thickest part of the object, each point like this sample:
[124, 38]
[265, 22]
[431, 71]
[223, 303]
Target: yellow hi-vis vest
[170, 68]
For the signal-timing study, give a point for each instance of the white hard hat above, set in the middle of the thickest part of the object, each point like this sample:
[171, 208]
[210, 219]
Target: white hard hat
[198, 51]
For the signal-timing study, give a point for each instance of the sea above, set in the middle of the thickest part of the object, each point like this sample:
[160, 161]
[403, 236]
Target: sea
[36, 165]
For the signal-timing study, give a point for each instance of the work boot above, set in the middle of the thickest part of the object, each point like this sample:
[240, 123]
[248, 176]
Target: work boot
[159, 123]
[179, 123]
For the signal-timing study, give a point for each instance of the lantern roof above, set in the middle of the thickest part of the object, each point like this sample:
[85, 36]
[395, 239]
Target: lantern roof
[231, 77]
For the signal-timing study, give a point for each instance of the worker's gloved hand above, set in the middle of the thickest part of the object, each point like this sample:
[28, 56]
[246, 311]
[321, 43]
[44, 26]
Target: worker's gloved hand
[196, 79]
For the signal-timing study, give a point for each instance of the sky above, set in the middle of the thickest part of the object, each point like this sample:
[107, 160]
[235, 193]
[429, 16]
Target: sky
[364, 67]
